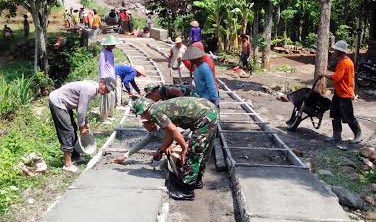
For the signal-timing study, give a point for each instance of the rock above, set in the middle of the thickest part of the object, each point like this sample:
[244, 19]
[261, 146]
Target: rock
[349, 163]
[310, 164]
[266, 89]
[30, 201]
[370, 216]
[370, 200]
[372, 187]
[283, 98]
[277, 88]
[323, 172]
[367, 165]
[368, 152]
[298, 152]
[348, 198]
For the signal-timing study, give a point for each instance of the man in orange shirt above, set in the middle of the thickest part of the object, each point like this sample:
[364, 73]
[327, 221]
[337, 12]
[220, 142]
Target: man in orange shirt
[342, 107]
[96, 24]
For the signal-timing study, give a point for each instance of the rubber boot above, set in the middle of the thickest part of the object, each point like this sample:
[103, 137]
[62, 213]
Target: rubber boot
[180, 191]
[354, 125]
[337, 130]
[199, 184]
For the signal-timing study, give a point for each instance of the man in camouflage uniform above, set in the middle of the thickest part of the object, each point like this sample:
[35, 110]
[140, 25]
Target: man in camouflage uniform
[198, 115]
[164, 92]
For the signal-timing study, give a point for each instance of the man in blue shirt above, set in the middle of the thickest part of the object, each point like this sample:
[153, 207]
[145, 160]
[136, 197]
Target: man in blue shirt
[128, 74]
[203, 77]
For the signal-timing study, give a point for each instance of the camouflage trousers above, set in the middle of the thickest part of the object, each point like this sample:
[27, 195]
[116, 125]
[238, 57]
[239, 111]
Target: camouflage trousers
[200, 146]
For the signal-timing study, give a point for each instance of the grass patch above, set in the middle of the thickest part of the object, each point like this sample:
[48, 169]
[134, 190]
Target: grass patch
[344, 166]
[26, 134]
[102, 10]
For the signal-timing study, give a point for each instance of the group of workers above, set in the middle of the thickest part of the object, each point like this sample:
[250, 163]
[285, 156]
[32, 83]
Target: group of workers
[74, 18]
[163, 107]
[192, 107]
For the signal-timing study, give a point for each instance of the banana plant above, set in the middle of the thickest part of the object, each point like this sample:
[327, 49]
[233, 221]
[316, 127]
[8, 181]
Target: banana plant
[216, 10]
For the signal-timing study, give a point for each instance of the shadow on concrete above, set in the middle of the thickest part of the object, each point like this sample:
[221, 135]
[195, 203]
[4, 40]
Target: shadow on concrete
[142, 172]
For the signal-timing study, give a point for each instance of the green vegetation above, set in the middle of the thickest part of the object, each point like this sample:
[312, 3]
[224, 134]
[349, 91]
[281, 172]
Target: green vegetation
[341, 164]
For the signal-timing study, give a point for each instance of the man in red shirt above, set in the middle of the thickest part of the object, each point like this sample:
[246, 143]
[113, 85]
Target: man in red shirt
[123, 21]
[342, 107]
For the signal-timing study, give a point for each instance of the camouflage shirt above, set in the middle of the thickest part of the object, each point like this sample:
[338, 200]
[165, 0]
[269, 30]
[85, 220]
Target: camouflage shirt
[186, 90]
[185, 112]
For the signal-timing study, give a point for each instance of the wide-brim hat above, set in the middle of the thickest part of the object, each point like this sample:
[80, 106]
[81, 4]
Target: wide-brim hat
[140, 69]
[195, 23]
[341, 46]
[111, 40]
[178, 40]
[193, 53]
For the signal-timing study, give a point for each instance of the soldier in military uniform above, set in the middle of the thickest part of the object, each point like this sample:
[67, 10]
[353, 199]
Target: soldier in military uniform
[198, 115]
[164, 92]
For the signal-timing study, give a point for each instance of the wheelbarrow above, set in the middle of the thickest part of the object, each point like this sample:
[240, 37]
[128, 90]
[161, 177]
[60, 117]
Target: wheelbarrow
[307, 104]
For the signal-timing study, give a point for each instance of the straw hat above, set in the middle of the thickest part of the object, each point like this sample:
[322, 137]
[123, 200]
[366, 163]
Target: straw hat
[340, 46]
[140, 69]
[111, 40]
[178, 40]
[193, 53]
[195, 23]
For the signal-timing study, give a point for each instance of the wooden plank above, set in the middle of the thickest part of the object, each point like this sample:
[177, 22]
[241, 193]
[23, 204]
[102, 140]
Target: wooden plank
[220, 161]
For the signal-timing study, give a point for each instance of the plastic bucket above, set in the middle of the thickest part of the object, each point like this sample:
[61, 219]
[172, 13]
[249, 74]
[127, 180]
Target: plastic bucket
[86, 144]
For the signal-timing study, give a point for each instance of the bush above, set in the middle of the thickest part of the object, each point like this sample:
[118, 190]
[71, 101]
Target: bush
[344, 33]
[42, 84]
[14, 95]
[281, 41]
[311, 40]
[84, 63]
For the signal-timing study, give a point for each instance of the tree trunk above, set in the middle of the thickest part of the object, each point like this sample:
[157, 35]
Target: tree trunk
[255, 31]
[321, 61]
[267, 36]
[277, 19]
[40, 19]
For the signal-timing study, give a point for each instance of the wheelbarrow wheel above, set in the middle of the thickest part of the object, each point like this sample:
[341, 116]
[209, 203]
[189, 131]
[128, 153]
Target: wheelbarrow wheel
[295, 119]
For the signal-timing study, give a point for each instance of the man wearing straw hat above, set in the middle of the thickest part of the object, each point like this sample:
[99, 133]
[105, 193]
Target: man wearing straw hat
[342, 107]
[62, 101]
[195, 33]
[176, 53]
[107, 70]
[204, 81]
[128, 74]
[198, 115]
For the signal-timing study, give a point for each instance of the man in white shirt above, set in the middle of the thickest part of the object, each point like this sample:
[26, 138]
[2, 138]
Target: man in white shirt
[176, 53]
